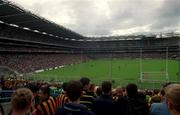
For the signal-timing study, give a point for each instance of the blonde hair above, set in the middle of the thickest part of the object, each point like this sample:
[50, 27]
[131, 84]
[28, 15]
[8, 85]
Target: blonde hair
[21, 99]
[172, 93]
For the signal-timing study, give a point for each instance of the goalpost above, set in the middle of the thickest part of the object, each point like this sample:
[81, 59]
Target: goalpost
[144, 75]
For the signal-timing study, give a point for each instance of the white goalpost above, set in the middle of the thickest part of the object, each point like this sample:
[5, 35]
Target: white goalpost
[145, 74]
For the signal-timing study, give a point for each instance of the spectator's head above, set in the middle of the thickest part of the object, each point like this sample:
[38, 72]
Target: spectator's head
[131, 90]
[21, 100]
[119, 92]
[149, 93]
[85, 83]
[156, 91]
[33, 87]
[64, 86]
[92, 87]
[44, 92]
[162, 93]
[99, 91]
[106, 87]
[74, 90]
[172, 96]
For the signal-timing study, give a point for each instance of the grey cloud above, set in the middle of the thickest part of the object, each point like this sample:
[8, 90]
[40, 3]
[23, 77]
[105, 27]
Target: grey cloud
[83, 15]
[168, 17]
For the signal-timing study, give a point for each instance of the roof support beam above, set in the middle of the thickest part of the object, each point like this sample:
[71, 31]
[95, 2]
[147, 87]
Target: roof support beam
[3, 4]
[34, 26]
[28, 21]
[11, 15]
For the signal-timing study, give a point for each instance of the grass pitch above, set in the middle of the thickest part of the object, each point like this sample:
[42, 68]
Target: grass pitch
[120, 71]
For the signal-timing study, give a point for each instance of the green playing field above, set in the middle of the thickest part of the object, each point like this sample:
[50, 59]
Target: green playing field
[120, 71]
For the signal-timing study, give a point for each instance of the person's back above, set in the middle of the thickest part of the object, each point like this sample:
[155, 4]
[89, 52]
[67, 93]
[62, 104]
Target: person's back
[159, 109]
[73, 109]
[104, 105]
[47, 105]
[73, 92]
[136, 101]
[62, 99]
[138, 106]
[86, 98]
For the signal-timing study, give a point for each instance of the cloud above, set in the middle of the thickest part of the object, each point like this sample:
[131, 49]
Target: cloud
[139, 29]
[168, 17]
[109, 17]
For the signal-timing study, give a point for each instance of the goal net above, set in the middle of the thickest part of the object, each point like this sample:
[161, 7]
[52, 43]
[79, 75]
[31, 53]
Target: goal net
[154, 66]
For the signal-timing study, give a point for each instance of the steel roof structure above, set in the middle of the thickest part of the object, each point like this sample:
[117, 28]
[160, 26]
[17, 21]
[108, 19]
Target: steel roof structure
[12, 14]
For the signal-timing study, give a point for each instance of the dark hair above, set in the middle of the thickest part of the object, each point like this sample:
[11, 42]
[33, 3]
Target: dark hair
[106, 87]
[45, 89]
[99, 91]
[74, 90]
[33, 87]
[131, 90]
[84, 81]
[64, 86]
[156, 91]
[162, 92]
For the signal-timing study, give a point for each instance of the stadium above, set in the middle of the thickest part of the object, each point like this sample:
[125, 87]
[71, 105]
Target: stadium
[36, 49]
[31, 44]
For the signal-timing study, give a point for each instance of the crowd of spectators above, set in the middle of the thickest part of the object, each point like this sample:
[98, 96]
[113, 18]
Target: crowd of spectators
[30, 62]
[80, 97]
[26, 63]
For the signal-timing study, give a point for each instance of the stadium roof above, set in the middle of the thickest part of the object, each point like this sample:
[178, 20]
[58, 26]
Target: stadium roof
[17, 16]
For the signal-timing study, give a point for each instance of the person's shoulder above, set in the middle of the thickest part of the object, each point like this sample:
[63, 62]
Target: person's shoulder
[59, 111]
[156, 104]
[88, 112]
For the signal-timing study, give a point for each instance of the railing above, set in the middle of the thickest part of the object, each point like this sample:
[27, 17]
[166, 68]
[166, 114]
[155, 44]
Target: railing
[5, 95]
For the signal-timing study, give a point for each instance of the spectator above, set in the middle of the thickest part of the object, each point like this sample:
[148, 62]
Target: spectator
[86, 98]
[98, 91]
[136, 102]
[172, 98]
[118, 93]
[62, 98]
[74, 91]
[34, 88]
[21, 101]
[155, 98]
[103, 105]
[160, 108]
[47, 105]
[91, 90]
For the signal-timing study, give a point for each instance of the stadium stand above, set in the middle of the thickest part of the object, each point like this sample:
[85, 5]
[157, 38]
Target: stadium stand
[29, 42]
[27, 62]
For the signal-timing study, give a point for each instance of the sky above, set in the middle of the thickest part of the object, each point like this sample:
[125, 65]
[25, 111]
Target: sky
[109, 17]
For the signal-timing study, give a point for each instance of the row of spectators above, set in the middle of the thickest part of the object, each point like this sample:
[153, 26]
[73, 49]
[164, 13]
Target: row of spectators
[26, 63]
[83, 98]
